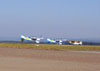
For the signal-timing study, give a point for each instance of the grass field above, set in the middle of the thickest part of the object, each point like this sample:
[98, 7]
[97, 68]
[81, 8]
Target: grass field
[51, 47]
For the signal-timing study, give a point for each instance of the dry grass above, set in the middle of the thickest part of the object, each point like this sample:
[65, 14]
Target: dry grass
[51, 47]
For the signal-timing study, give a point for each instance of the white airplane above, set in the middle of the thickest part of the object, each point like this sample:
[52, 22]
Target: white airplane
[75, 42]
[54, 41]
[33, 39]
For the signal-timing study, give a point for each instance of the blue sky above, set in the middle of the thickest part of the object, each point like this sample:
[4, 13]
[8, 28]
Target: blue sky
[50, 18]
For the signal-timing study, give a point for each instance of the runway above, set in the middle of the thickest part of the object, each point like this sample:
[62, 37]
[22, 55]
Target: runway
[14, 59]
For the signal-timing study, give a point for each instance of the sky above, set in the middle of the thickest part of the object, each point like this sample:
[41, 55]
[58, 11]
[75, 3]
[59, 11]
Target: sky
[50, 18]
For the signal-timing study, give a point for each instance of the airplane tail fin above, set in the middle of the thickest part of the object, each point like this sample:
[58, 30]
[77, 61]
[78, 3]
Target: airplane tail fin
[51, 41]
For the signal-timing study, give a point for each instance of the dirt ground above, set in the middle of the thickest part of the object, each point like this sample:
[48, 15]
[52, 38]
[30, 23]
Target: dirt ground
[13, 59]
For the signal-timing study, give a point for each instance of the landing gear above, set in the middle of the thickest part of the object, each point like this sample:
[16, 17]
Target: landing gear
[22, 40]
